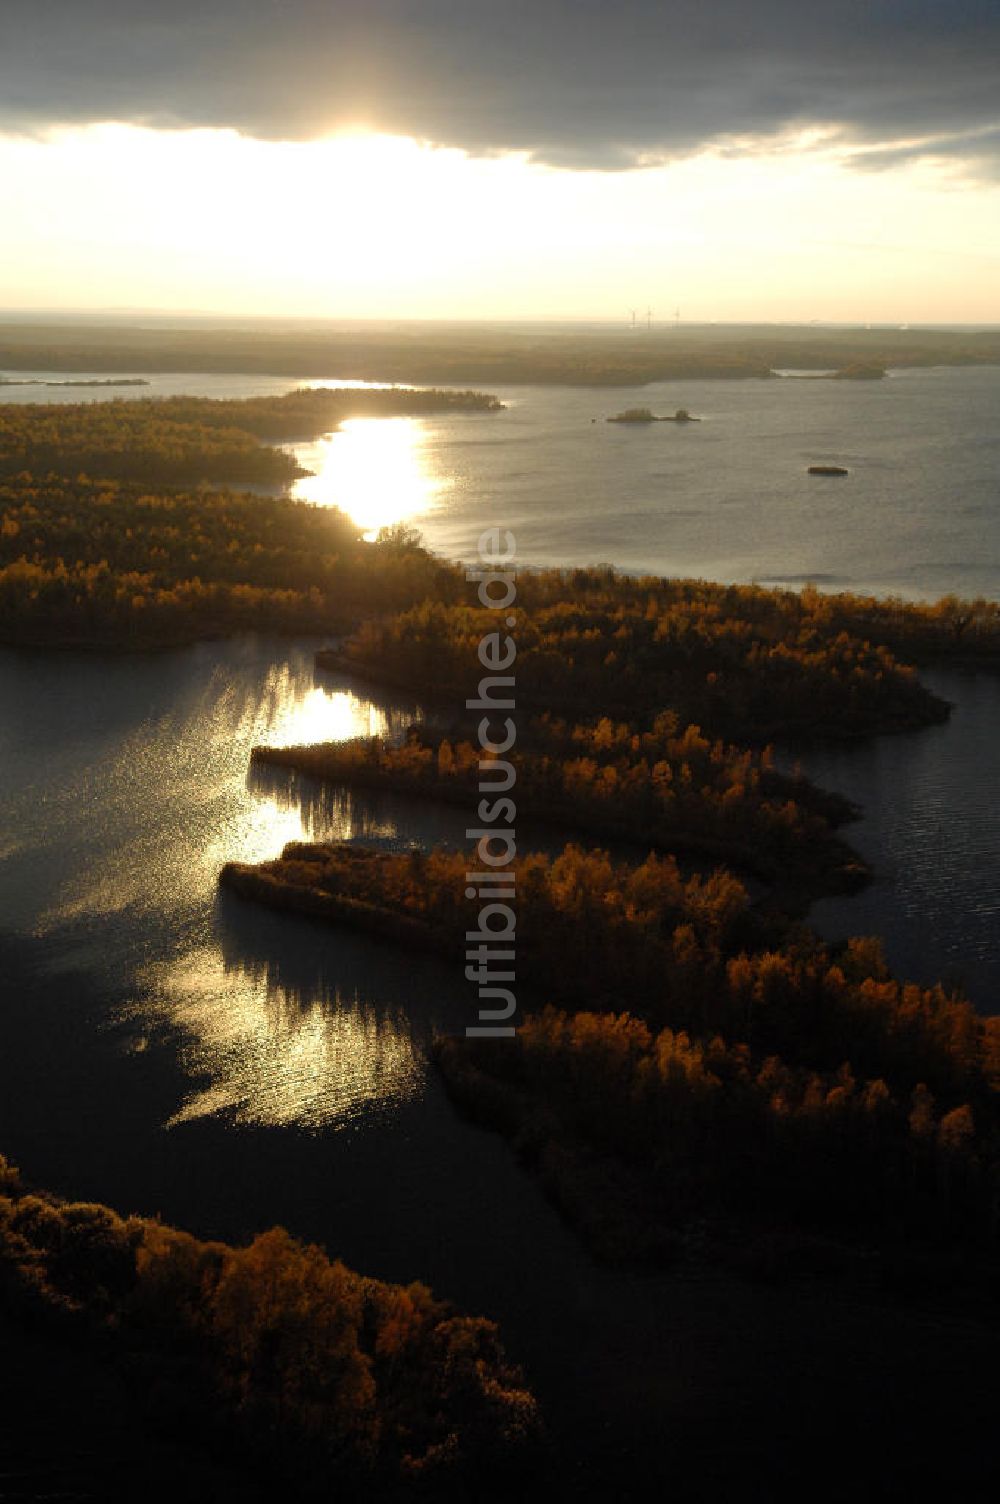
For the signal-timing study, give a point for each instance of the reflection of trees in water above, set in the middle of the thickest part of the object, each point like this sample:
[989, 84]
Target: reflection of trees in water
[304, 963]
[401, 708]
[328, 812]
[331, 812]
[284, 1022]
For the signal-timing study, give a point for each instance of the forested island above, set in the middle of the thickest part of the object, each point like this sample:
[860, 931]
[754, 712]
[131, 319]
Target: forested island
[646, 415]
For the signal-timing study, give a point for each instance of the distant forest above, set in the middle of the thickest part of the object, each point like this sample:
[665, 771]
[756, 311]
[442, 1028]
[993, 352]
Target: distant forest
[488, 354]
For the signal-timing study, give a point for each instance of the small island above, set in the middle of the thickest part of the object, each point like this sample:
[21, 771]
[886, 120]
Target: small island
[859, 370]
[645, 415]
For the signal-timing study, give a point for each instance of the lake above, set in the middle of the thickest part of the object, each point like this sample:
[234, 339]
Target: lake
[169, 1049]
[727, 498]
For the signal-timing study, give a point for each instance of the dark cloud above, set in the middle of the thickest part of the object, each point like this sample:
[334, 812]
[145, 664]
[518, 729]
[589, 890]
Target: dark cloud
[599, 83]
[976, 153]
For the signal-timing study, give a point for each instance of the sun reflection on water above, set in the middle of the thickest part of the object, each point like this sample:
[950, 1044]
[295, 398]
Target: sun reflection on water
[143, 828]
[272, 816]
[374, 469]
[270, 1058]
[167, 850]
[324, 715]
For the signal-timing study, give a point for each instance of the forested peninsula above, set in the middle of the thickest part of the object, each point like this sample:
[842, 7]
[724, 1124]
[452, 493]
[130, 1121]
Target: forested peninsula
[662, 789]
[690, 1063]
[122, 525]
[699, 1078]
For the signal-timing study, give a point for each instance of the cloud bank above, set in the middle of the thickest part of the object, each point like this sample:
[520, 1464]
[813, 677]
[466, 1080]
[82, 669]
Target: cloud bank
[580, 83]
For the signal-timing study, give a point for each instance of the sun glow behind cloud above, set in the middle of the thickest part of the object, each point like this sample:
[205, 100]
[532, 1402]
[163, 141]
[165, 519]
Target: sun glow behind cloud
[384, 227]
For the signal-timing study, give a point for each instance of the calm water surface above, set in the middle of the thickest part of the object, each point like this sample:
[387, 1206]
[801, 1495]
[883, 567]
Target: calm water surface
[126, 789]
[931, 829]
[727, 498]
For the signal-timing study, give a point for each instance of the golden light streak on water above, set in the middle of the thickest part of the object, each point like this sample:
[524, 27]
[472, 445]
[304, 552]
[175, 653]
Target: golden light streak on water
[198, 768]
[272, 1059]
[152, 821]
[322, 715]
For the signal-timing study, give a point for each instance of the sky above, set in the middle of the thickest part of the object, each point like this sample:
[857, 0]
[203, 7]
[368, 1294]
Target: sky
[458, 158]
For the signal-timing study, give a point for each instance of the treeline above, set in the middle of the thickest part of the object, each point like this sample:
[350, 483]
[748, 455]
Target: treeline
[949, 628]
[664, 788]
[115, 564]
[273, 1354]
